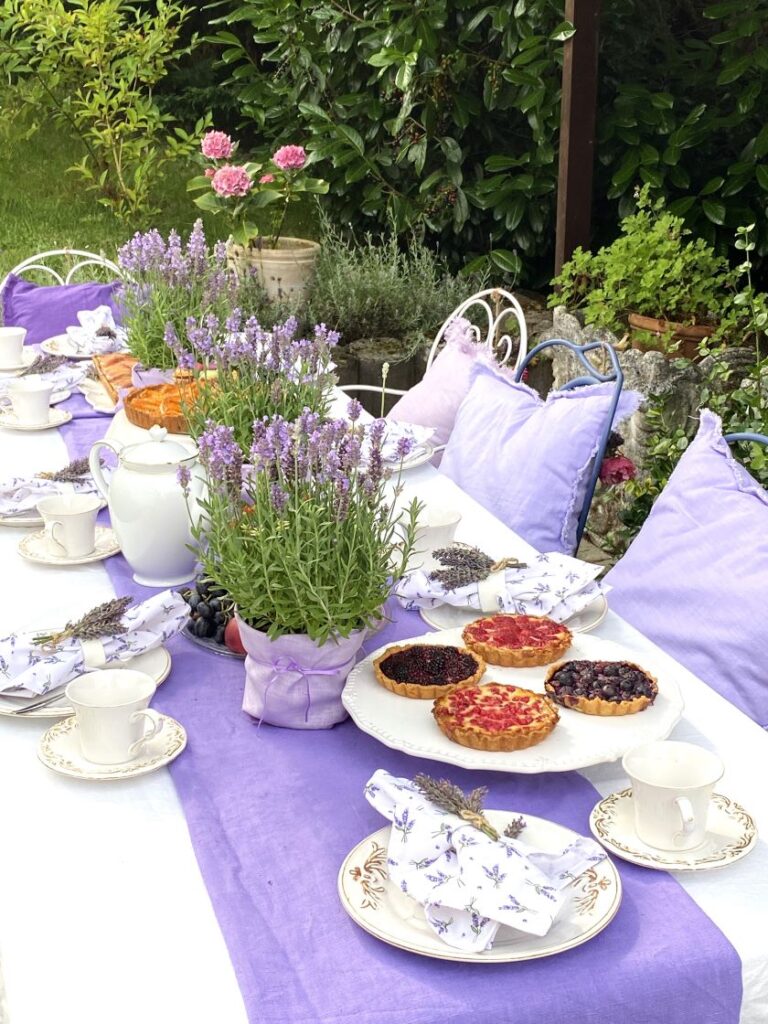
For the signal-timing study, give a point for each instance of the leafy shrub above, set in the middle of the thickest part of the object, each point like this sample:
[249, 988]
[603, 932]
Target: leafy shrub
[92, 65]
[374, 288]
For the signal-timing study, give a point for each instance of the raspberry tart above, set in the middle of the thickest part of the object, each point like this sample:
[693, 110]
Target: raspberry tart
[605, 688]
[517, 641]
[492, 716]
[426, 671]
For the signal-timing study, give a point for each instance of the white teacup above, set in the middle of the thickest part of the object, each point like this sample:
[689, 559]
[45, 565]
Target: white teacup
[672, 785]
[70, 523]
[114, 721]
[436, 530]
[11, 345]
[31, 399]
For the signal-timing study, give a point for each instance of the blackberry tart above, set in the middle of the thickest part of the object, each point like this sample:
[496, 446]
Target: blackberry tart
[426, 671]
[495, 717]
[517, 641]
[607, 688]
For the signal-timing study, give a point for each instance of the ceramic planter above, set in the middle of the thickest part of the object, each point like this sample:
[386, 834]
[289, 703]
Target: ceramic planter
[284, 272]
[689, 335]
[294, 682]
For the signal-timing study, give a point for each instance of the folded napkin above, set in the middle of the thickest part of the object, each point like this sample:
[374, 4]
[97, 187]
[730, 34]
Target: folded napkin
[28, 670]
[97, 332]
[468, 884]
[396, 431]
[552, 584]
[63, 378]
[21, 494]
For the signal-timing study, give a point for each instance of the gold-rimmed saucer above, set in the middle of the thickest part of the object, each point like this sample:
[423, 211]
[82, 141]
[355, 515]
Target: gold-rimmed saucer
[35, 547]
[56, 418]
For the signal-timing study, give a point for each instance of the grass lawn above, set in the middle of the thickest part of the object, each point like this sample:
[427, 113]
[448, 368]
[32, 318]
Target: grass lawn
[42, 206]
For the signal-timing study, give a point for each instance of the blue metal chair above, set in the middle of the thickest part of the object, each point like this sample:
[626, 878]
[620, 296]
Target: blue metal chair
[757, 438]
[592, 376]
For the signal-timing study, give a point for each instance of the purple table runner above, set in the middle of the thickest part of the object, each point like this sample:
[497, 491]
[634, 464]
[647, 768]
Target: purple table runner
[273, 812]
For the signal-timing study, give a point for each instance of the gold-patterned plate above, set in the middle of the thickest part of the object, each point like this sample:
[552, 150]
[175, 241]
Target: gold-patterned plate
[59, 750]
[381, 909]
[731, 835]
[36, 547]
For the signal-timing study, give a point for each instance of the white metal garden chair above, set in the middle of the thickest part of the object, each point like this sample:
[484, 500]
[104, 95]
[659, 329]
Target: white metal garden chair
[79, 258]
[493, 308]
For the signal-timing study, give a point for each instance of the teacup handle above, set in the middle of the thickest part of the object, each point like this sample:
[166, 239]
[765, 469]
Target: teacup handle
[155, 725]
[54, 539]
[687, 820]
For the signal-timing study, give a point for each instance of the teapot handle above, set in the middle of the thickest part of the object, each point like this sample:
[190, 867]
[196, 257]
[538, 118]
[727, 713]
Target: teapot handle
[94, 463]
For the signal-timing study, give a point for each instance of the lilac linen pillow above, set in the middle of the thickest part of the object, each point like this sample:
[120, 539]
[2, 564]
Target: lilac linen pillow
[528, 460]
[435, 400]
[694, 580]
[47, 310]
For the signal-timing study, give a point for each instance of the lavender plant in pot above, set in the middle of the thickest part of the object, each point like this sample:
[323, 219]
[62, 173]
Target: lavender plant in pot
[285, 265]
[306, 540]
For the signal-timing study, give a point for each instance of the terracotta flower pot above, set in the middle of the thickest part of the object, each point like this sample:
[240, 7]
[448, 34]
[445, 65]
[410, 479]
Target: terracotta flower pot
[294, 682]
[284, 272]
[689, 335]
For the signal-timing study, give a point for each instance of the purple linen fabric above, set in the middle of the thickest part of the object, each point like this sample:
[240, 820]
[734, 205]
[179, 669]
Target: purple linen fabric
[527, 460]
[694, 578]
[273, 812]
[47, 310]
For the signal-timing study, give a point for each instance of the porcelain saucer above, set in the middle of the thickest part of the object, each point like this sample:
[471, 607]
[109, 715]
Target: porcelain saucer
[57, 417]
[447, 616]
[59, 750]
[28, 356]
[35, 548]
[731, 834]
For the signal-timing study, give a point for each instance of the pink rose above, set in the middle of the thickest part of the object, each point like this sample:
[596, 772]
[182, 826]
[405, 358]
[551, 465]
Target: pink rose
[210, 171]
[290, 158]
[616, 469]
[265, 179]
[231, 180]
[216, 146]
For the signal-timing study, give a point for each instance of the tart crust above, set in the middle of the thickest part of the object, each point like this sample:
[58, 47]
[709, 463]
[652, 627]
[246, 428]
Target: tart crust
[113, 369]
[160, 405]
[598, 705]
[526, 655]
[421, 691]
[456, 721]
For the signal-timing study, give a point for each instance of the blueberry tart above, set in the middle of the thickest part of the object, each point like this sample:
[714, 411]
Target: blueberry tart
[426, 671]
[606, 688]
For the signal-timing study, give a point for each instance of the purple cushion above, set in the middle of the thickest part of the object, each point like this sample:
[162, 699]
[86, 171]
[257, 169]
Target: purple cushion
[435, 400]
[694, 578]
[47, 310]
[528, 460]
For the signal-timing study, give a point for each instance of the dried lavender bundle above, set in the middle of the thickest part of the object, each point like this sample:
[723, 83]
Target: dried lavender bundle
[103, 620]
[75, 470]
[465, 565]
[44, 363]
[449, 797]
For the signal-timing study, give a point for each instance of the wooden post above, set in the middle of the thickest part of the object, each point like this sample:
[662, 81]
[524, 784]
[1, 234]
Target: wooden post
[577, 130]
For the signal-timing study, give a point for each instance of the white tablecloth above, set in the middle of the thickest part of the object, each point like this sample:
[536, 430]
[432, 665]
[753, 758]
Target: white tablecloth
[104, 917]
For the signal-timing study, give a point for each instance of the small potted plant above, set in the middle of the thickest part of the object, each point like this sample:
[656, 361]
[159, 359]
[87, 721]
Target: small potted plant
[303, 539]
[666, 289]
[284, 264]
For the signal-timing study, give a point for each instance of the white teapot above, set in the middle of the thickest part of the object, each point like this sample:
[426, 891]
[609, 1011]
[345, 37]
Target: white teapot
[149, 511]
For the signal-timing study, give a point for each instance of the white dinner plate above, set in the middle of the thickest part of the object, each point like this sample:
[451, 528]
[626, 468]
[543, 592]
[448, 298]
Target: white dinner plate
[96, 395]
[577, 741]
[382, 910]
[156, 663]
[62, 345]
[418, 457]
[446, 616]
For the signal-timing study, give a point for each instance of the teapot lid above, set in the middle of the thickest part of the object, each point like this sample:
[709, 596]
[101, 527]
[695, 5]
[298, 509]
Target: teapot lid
[158, 451]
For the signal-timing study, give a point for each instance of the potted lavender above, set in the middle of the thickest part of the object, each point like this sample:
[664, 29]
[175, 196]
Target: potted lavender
[169, 281]
[303, 539]
[243, 190]
[244, 373]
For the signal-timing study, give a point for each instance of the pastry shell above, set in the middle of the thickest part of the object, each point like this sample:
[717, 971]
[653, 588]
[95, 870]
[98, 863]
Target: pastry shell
[520, 657]
[420, 691]
[599, 706]
[515, 738]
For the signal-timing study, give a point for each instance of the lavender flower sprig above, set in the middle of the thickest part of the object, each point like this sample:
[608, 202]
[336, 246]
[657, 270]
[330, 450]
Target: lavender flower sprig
[73, 471]
[44, 363]
[103, 620]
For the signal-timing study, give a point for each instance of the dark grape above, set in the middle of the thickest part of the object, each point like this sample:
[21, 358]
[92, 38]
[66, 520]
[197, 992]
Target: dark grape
[219, 635]
[220, 618]
[214, 604]
[203, 610]
[200, 627]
